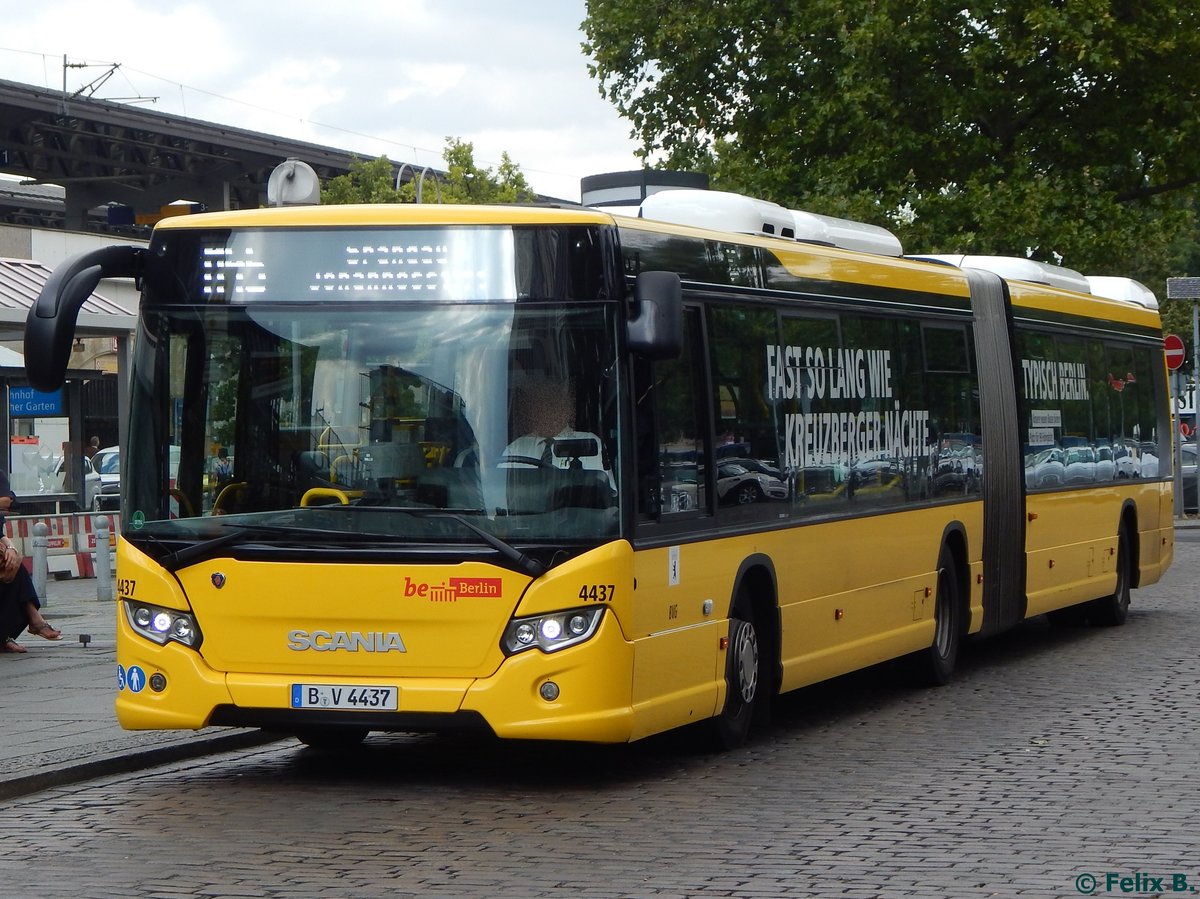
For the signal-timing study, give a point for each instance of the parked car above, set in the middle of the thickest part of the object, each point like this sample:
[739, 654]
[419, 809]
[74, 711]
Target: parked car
[107, 463]
[91, 480]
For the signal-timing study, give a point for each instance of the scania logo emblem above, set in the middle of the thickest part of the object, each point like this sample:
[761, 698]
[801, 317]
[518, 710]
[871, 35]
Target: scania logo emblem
[347, 641]
[218, 580]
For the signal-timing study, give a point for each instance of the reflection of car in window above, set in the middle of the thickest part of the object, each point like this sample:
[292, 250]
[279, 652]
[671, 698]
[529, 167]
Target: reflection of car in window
[1149, 460]
[822, 481]
[882, 473]
[1105, 465]
[957, 465]
[1045, 468]
[1127, 459]
[744, 481]
[1079, 465]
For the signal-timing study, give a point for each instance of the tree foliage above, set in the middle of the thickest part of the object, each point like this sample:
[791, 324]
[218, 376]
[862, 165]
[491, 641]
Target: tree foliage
[1068, 130]
[368, 181]
[463, 181]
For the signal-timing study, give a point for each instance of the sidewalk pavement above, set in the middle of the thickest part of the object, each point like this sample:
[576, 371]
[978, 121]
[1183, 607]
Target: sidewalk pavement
[59, 726]
[59, 723]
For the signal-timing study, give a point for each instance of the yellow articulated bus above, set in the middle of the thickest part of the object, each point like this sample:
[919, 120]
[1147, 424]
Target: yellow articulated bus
[562, 474]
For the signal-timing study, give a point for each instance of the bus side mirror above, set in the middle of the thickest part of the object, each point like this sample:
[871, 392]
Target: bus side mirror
[50, 325]
[655, 331]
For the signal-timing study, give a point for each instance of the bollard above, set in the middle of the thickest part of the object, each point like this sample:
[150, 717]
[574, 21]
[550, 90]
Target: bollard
[40, 540]
[104, 586]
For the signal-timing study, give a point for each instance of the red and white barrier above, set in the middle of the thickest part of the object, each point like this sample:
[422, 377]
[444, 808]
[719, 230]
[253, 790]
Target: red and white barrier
[85, 539]
[70, 541]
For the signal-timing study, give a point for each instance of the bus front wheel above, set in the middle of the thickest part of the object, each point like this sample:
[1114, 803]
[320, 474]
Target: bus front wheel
[744, 665]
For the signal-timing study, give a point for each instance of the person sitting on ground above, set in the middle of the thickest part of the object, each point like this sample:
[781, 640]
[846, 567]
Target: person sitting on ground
[19, 605]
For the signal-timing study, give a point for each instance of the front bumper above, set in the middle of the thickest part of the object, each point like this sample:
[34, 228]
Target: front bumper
[593, 703]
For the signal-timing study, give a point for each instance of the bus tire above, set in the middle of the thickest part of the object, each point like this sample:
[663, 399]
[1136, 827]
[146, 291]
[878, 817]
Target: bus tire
[1111, 611]
[934, 666]
[744, 681]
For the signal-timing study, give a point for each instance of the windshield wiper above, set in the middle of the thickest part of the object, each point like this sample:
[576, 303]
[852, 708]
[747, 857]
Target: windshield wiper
[181, 558]
[527, 564]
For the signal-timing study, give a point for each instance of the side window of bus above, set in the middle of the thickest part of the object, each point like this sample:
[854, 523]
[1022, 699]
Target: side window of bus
[885, 383]
[671, 427]
[1143, 387]
[1081, 452]
[1088, 411]
[750, 480]
[1040, 423]
[820, 479]
[950, 392]
[1107, 449]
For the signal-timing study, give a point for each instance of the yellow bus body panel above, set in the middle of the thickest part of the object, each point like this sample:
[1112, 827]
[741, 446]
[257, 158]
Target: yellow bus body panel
[1071, 541]
[845, 602]
[450, 617]
[192, 690]
[593, 680]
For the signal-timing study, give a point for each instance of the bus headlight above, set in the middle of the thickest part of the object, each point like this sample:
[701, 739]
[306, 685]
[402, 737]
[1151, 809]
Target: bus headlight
[551, 632]
[162, 625]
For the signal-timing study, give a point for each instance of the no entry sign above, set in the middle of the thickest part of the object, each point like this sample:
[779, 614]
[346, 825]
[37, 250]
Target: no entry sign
[1173, 347]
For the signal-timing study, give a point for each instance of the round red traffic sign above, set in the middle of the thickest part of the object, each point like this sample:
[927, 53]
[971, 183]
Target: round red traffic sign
[1173, 347]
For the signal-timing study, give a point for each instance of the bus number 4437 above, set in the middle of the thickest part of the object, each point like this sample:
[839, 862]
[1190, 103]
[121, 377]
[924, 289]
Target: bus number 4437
[597, 592]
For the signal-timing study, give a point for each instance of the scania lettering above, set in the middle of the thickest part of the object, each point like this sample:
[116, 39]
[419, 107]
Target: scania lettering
[324, 641]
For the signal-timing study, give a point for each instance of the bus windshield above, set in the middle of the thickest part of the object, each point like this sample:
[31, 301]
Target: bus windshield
[389, 422]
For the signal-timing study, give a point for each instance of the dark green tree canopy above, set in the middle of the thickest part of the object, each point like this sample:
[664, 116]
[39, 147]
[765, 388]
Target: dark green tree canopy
[1064, 129]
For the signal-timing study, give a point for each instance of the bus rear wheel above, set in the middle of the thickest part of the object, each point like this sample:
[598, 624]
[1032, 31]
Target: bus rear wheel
[935, 666]
[1111, 611]
[744, 665]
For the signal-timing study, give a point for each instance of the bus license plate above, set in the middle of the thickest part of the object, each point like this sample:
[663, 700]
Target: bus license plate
[353, 698]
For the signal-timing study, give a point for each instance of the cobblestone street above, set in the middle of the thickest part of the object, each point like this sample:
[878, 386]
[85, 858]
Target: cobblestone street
[1056, 756]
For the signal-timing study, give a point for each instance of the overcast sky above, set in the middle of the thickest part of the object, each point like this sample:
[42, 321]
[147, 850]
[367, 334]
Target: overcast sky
[375, 77]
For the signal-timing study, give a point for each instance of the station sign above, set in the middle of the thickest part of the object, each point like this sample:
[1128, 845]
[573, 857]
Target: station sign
[25, 402]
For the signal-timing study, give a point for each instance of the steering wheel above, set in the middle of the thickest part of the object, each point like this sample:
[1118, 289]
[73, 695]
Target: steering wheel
[531, 461]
